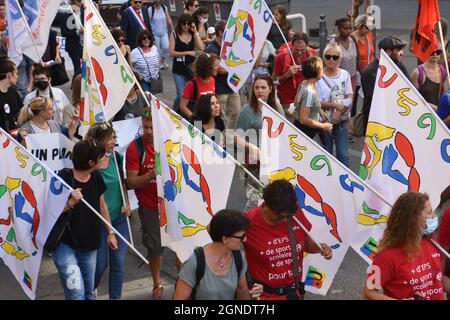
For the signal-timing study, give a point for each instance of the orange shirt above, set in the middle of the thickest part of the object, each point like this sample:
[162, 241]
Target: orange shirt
[365, 50]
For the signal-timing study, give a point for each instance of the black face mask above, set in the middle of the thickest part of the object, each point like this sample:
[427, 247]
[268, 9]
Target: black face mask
[42, 85]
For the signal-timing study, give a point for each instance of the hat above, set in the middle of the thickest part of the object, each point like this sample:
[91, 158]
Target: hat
[391, 43]
[211, 30]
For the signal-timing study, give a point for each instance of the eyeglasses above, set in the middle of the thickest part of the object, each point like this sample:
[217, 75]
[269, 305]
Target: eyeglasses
[238, 237]
[437, 52]
[329, 57]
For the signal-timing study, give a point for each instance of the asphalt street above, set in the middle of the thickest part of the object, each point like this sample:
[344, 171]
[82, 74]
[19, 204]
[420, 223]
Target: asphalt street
[397, 17]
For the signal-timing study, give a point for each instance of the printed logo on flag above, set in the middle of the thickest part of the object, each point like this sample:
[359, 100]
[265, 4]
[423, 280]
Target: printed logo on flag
[234, 80]
[315, 277]
[27, 280]
[370, 248]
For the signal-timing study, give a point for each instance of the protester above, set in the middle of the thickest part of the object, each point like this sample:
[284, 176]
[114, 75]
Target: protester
[10, 102]
[104, 136]
[63, 110]
[134, 19]
[229, 100]
[309, 120]
[141, 176]
[37, 118]
[76, 254]
[120, 38]
[430, 78]
[212, 33]
[145, 60]
[393, 47]
[288, 74]
[2, 17]
[53, 60]
[408, 265]
[201, 16]
[248, 127]
[335, 92]
[132, 108]
[182, 47]
[208, 112]
[224, 263]
[274, 36]
[269, 223]
[202, 83]
[443, 110]
[444, 240]
[73, 32]
[160, 21]
[190, 6]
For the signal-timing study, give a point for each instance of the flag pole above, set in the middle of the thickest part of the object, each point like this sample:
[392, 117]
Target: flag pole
[440, 248]
[444, 54]
[71, 189]
[130, 70]
[29, 31]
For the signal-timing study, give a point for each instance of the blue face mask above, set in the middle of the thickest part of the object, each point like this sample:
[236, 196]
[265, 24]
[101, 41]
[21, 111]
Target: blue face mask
[432, 225]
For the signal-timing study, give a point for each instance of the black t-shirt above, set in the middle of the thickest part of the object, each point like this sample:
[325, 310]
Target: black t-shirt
[220, 126]
[9, 114]
[84, 233]
[222, 86]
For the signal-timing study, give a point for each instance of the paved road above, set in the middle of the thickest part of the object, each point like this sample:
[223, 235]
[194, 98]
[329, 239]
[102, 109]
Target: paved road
[397, 18]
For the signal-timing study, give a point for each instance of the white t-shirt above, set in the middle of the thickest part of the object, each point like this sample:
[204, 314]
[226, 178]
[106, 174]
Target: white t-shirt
[334, 89]
[60, 103]
[148, 67]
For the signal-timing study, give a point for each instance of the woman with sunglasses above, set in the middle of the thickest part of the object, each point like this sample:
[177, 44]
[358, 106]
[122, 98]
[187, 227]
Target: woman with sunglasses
[145, 60]
[183, 44]
[104, 136]
[335, 91]
[190, 6]
[224, 263]
[120, 38]
[430, 79]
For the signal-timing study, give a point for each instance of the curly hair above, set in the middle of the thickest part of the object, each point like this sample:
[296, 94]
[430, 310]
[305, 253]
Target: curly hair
[204, 65]
[280, 196]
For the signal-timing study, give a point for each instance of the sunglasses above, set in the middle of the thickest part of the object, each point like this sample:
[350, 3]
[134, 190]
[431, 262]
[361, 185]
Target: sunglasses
[329, 57]
[437, 53]
[120, 40]
[186, 23]
[137, 1]
[238, 237]
[105, 125]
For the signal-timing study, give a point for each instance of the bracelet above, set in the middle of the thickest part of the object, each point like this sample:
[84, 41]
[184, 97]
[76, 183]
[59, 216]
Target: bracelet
[111, 232]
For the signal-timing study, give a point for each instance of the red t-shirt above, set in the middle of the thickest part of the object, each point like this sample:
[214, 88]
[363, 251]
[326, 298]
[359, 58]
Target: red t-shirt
[268, 250]
[400, 279]
[202, 88]
[147, 196]
[444, 228]
[287, 90]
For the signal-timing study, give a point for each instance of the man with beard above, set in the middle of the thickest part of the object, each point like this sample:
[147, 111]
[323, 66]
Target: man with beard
[393, 47]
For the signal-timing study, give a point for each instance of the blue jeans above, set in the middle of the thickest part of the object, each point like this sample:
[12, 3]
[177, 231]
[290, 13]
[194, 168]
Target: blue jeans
[162, 43]
[76, 271]
[116, 259]
[180, 82]
[338, 136]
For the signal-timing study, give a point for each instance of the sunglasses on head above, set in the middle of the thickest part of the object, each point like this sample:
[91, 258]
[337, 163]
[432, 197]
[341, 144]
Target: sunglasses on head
[105, 125]
[437, 52]
[329, 57]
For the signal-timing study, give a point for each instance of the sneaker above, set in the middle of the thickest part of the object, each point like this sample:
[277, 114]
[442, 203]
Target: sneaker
[351, 139]
[162, 66]
[166, 64]
[157, 292]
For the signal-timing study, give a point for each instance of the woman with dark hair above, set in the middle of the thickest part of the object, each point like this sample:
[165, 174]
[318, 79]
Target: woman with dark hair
[75, 256]
[307, 100]
[274, 36]
[202, 83]
[408, 265]
[223, 257]
[249, 124]
[190, 6]
[208, 112]
[120, 38]
[145, 60]
[104, 136]
[201, 16]
[10, 101]
[182, 47]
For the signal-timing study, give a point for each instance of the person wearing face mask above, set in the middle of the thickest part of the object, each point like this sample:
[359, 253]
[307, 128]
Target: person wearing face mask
[201, 21]
[408, 265]
[63, 110]
[10, 102]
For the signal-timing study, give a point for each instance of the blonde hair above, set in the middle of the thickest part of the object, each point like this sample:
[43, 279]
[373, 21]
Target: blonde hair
[36, 105]
[333, 46]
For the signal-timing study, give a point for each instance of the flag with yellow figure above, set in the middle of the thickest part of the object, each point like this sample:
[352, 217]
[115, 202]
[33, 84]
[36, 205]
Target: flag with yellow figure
[407, 148]
[31, 200]
[106, 75]
[194, 177]
[331, 196]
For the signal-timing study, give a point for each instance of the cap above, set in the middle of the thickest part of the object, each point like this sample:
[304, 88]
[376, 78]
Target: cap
[391, 42]
[211, 30]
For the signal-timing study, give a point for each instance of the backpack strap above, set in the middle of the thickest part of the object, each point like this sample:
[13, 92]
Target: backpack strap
[237, 256]
[443, 73]
[139, 141]
[153, 10]
[195, 89]
[421, 75]
[200, 269]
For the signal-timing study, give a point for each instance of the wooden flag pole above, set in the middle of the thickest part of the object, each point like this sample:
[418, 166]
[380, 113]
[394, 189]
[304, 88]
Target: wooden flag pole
[444, 54]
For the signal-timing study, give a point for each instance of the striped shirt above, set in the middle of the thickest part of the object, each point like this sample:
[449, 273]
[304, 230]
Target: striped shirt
[308, 97]
[148, 66]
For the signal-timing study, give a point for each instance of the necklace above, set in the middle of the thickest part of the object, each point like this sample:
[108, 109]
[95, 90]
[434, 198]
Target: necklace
[220, 263]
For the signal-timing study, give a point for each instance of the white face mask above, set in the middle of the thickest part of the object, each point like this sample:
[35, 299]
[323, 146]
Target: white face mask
[202, 20]
[432, 225]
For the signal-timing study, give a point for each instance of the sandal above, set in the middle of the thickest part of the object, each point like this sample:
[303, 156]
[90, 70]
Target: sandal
[157, 291]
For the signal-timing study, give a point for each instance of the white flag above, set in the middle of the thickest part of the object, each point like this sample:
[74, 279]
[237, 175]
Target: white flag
[16, 30]
[31, 199]
[194, 177]
[244, 36]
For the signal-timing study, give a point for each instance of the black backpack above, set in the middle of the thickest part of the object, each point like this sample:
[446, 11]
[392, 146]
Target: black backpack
[200, 270]
[153, 10]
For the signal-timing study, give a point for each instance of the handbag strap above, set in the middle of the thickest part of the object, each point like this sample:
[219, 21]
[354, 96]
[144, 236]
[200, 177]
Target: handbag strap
[293, 249]
[148, 67]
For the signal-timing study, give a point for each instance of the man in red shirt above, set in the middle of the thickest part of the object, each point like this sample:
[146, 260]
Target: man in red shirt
[289, 75]
[268, 243]
[141, 176]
